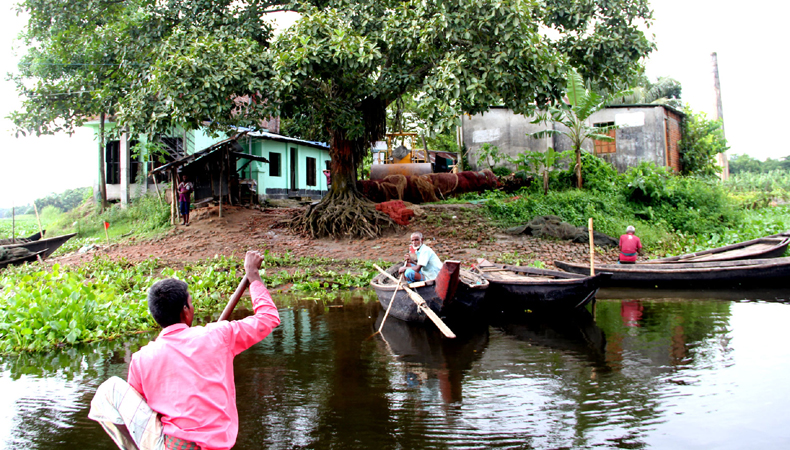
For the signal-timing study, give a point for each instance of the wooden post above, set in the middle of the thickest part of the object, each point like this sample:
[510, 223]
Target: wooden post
[156, 185]
[38, 219]
[221, 171]
[173, 205]
[13, 224]
[592, 248]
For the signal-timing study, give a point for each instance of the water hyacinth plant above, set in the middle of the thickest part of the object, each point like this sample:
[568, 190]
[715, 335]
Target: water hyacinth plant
[43, 308]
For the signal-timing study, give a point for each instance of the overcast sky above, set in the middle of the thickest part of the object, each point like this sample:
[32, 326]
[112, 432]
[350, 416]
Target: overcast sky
[745, 36]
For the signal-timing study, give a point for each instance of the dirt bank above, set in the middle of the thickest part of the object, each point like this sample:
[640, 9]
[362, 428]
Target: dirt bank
[453, 231]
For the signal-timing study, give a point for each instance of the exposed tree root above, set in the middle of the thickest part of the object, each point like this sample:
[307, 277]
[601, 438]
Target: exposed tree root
[343, 215]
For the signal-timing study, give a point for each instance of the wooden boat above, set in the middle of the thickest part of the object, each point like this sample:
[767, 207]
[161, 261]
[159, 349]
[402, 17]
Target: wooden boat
[21, 260]
[517, 288]
[699, 275]
[464, 299]
[767, 247]
[49, 245]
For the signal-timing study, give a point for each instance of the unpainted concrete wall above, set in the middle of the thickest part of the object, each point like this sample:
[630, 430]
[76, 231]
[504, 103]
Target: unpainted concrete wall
[646, 133]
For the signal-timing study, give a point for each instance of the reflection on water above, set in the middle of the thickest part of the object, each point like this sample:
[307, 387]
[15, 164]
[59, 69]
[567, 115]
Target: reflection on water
[641, 372]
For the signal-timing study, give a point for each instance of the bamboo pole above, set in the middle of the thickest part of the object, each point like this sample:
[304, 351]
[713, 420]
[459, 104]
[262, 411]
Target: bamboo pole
[38, 219]
[592, 248]
[13, 224]
[156, 185]
[234, 299]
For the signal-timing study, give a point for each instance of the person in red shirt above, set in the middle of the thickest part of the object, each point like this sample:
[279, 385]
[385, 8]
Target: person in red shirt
[630, 245]
[185, 376]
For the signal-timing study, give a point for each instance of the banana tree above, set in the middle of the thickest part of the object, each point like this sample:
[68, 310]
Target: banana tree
[574, 115]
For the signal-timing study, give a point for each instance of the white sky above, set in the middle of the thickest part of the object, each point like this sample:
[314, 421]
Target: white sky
[748, 38]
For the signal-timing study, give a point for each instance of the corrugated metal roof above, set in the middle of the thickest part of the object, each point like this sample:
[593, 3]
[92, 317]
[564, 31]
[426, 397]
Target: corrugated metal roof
[281, 138]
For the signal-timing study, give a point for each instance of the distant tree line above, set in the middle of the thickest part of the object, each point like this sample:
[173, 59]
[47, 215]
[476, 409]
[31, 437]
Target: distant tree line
[745, 163]
[65, 201]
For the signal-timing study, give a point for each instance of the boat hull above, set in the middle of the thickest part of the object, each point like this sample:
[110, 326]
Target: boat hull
[468, 298]
[48, 245]
[754, 272]
[539, 289]
[767, 247]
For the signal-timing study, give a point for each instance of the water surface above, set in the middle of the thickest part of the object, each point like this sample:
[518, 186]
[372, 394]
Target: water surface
[684, 370]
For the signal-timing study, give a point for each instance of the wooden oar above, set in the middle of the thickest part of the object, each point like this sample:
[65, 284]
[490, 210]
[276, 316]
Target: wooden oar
[234, 299]
[420, 302]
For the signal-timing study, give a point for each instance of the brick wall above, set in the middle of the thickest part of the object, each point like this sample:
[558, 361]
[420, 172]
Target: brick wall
[674, 121]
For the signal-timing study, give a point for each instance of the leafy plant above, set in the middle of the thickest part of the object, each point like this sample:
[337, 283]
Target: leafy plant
[582, 103]
[490, 155]
[540, 163]
[702, 140]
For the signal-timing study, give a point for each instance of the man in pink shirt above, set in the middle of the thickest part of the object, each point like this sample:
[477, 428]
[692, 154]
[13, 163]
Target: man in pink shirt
[630, 245]
[185, 376]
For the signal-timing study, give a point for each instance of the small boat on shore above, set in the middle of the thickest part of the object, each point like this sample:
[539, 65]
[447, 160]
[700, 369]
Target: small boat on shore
[767, 247]
[461, 299]
[517, 288]
[48, 245]
[699, 275]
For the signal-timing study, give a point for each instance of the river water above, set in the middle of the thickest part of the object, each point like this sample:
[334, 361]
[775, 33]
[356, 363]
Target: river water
[687, 370]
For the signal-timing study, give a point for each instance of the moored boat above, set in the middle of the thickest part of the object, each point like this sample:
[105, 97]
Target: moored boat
[699, 275]
[445, 300]
[48, 245]
[767, 247]
[517, 288]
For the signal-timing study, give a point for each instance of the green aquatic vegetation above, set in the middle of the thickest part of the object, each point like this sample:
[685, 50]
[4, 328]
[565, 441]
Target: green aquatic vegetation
[42, 308]
[48, 308]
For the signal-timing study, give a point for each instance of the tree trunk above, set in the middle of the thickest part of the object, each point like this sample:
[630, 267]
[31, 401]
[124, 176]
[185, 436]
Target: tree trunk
[578, 167]
[545, 182]
[102, 179]
[344, 211]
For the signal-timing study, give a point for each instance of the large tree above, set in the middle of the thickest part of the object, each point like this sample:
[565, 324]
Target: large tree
[343, 62]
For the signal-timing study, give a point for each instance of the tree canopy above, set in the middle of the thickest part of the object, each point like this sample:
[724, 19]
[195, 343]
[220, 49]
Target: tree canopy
[217, 63]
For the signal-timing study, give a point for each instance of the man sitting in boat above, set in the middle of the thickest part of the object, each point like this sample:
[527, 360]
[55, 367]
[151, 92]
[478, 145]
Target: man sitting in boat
[425, 265]
[181, 392]
[630, 245]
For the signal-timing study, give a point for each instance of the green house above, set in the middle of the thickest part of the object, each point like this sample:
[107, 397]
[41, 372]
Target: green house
[295, 168]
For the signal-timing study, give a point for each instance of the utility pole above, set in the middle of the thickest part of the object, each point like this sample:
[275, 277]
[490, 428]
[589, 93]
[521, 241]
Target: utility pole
[722, 157]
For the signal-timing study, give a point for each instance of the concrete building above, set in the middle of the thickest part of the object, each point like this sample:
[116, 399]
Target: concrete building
[645, 133]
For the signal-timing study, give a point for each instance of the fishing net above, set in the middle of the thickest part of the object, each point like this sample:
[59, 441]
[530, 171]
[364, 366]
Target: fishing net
[397, 211]
[553, 226]
[7, 253]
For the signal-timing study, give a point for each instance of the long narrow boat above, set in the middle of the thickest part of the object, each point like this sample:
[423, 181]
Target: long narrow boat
[767, 247]
[700, 275]
[465, 299]
[49, 245]
[516, 288]
[21, 260]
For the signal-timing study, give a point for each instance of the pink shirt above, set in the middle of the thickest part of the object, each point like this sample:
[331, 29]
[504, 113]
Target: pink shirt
[629, 246]
[186, 374]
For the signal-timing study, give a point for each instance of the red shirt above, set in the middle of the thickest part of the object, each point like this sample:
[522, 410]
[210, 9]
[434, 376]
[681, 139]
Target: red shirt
[629, 246]
[186, 374]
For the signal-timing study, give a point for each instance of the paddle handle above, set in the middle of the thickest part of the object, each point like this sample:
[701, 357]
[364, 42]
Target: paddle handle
[420, 302]
[389, 306]
[234, 299]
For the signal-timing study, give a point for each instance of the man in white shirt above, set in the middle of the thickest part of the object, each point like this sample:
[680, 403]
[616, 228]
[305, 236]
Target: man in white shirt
[428, 264]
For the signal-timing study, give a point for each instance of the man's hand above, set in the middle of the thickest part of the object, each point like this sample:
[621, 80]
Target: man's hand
[252, 265]
[401, 270]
